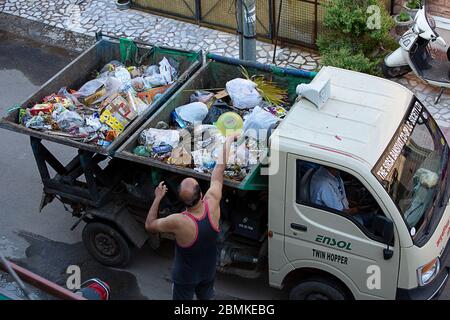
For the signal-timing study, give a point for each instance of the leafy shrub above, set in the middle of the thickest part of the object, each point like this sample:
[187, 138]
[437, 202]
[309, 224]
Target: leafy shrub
[403, 17]
[348, 42]
[414, 4]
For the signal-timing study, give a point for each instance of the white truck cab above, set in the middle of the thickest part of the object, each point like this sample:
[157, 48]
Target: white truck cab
[388, 238]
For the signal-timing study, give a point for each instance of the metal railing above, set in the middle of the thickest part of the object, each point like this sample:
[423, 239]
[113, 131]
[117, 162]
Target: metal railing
[301, 21]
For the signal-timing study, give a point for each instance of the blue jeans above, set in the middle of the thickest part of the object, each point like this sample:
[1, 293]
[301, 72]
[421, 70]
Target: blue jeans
[203, 291]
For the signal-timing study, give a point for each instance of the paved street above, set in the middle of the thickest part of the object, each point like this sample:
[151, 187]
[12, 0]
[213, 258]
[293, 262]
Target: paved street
[43, 241]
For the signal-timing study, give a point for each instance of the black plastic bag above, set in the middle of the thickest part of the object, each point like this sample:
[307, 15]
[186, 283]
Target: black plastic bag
[217, 109]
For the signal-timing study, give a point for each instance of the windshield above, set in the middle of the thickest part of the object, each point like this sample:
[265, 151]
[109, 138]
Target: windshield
[413, 171]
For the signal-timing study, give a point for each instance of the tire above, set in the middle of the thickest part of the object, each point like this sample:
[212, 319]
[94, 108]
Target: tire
[394, 72]
[317, 289]
[106, 244]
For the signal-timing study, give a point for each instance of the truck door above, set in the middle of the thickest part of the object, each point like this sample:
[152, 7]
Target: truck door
[337, 240]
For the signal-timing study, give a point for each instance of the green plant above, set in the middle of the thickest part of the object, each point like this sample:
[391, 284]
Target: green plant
[403, 17]
[270, 91]
[413, 4]
[349, 41]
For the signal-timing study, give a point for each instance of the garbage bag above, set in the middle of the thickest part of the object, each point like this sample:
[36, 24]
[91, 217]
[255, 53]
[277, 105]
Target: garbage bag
[64, 93]
[93, 123]
[151, 71]
[202, 96]
[193, 112]
[123, 76]
[157, 137]
[139, 84]
[243, 93]
[153, 78]
[156, 80]
[37, 122]
[136, 104]
[69, 120]
[89, 88]
[258, 122]
[167, 70]
[111, 66]
[218, 108]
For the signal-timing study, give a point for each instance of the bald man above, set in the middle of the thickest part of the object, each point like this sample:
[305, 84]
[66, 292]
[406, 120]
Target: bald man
[195, 230]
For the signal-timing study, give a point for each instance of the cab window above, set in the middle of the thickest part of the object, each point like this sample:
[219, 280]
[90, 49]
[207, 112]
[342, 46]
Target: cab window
[337, 192]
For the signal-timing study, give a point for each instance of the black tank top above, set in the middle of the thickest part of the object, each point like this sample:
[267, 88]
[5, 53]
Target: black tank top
[197, 262]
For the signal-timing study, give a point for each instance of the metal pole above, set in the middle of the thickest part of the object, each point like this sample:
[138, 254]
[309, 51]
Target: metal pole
[246, 18]
[239, 20]
[277, 32]
[16, 278]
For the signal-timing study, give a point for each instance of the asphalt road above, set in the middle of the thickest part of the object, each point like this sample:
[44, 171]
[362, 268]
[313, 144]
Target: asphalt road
[43, 242]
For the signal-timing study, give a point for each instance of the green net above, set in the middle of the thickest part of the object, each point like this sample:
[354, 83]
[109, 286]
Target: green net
[128, 52]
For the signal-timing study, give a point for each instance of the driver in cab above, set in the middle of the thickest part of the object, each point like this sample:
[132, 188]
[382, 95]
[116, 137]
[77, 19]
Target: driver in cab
[327, 190]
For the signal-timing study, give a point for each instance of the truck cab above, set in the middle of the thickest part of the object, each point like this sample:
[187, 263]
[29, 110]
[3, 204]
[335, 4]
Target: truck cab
[388, 238]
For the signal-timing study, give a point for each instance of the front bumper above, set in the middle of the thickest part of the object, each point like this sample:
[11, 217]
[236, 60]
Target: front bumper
[435, 288]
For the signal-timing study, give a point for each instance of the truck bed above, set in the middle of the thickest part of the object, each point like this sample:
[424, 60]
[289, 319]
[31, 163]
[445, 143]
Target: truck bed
[75, 74]
[214, 74]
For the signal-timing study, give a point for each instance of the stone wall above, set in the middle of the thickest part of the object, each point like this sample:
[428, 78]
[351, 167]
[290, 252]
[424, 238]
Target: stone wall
[439, 8]
[435, 7]
[398, 6]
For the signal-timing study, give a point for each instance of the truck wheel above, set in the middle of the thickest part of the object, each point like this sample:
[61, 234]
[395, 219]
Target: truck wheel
[106, 244]
[317, 289]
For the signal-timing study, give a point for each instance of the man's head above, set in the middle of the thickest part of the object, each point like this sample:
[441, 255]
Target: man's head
[189, 192]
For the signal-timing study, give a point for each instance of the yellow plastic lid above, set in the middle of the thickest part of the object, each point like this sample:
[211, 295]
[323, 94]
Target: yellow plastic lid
[229, 122]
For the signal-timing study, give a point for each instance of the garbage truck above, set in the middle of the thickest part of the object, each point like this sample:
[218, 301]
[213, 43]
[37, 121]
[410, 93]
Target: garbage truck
[390, 240]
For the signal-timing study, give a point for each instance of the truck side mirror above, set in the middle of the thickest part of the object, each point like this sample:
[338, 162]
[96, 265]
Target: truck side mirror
[384, 228]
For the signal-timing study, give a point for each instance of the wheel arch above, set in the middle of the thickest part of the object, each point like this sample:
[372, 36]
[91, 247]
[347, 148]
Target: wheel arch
[123, 221]
[301, 274]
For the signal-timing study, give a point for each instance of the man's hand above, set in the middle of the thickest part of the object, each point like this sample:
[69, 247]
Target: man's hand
[160, 191]
[152, 223]
[353, 210]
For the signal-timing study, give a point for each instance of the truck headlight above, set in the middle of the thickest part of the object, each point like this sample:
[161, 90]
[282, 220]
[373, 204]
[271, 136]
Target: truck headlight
[428, 272]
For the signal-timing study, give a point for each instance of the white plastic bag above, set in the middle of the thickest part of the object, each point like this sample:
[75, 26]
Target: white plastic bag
[136, 104]
[139, 84]
[156, 137]
[193, 112]
[257, 123]
[90, 87]
[151, 70]
[123, 76]
[167, 71]
[69, 120]
[93, 124]
[112, 86]
[243, 93]
[155, 80]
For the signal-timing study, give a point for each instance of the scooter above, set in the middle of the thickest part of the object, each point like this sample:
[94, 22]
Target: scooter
[415, 55]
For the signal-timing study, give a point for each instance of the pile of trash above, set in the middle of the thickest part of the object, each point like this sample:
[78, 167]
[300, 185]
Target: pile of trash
[102, 108]
[194, 135]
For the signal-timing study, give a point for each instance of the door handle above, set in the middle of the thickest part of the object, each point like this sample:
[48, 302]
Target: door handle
[299, 227]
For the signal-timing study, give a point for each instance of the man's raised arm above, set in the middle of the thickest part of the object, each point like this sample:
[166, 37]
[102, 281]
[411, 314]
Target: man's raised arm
[215, 189]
